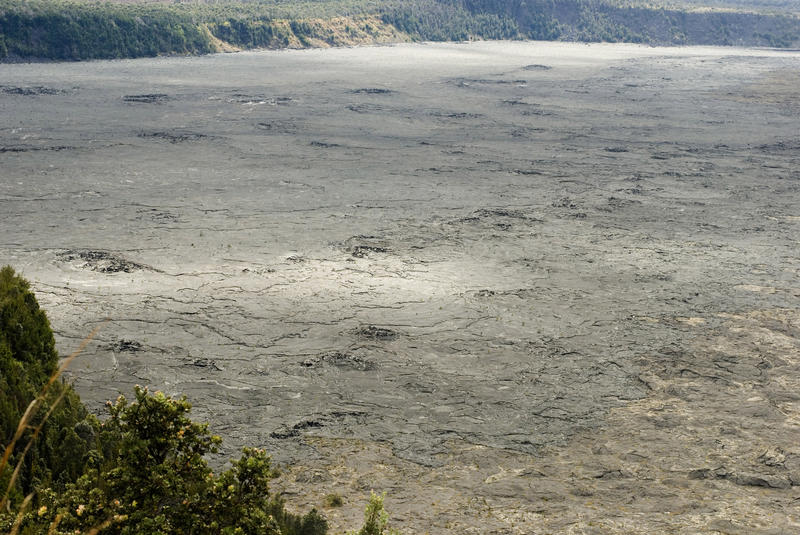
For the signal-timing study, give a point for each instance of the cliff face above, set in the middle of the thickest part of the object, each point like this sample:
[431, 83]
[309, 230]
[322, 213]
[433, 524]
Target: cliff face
[305, 33]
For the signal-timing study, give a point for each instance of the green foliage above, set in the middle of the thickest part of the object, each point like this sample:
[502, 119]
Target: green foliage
[250, 33]
[24, 329]
[770, 5]
[376, 518]
[333, 500]
[27, 361]
[312, 523]
[149, 477]
[433, 20]
[153, 464]
[141, 471]
[641, 22]
[74, 30]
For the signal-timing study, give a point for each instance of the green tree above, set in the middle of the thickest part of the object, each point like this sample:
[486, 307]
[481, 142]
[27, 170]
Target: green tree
[28, 359]
[141, 471]
[150, 477]
[376, 519]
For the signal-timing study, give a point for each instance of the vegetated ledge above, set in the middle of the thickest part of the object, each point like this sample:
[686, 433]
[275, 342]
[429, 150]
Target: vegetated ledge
[49, 30]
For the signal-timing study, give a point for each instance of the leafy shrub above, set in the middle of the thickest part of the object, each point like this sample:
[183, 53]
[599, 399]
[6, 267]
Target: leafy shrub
[28, 359]
[376, 518]
[149, 476]
[141, 471]
[333, 500]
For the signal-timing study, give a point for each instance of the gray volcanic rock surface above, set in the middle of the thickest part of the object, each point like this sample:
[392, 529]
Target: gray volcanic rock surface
[520, 274]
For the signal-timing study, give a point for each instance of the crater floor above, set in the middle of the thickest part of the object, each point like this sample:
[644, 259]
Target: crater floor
[522, 287]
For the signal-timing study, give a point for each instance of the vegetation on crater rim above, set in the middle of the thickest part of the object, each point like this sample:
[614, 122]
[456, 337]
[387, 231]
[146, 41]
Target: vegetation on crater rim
[75, 30]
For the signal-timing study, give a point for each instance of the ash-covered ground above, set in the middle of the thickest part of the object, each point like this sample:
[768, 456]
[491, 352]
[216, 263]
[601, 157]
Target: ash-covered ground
[522, 287]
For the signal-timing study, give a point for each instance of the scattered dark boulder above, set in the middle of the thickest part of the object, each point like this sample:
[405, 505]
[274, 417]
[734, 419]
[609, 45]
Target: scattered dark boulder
[760, 480]
[376, 333]
[205, 363]
[244, 98]
[102, 261]
[125, 346]
[29, 148]
[285, 432]
[365, 108]
[499, 212]
[339, 360]
[372, 91]
[454, 114]
[361, 246]
[150, 98]
[278, 127]
[173, 137]
[564, 202]
[31, 90]
[362, 251]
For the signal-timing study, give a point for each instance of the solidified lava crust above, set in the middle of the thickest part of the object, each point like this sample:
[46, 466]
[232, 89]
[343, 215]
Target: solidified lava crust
[524, 287]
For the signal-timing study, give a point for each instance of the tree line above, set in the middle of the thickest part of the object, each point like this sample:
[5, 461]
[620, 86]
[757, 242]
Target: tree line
[74, 30]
